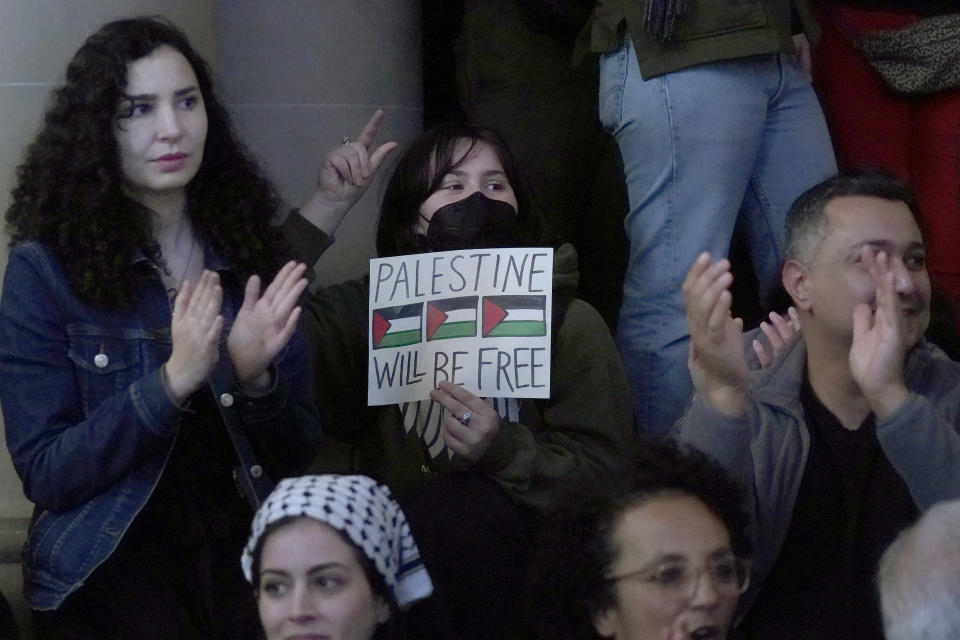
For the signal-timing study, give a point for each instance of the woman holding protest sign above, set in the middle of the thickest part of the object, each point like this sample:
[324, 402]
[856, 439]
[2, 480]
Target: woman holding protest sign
[474, 472]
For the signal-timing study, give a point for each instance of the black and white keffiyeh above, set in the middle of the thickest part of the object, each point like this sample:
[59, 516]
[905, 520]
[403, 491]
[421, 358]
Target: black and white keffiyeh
[365, 512]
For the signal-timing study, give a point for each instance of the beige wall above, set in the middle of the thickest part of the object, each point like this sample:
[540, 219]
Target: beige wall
[297, 76]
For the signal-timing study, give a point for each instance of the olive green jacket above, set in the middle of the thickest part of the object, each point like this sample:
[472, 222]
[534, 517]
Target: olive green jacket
[711, 30]
[584, 426]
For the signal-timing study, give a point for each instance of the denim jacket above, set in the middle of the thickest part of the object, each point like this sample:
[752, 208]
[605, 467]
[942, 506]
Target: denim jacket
[90, 427]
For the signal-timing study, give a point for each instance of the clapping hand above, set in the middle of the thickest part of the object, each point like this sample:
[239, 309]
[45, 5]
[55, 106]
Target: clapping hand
[879, 347]
[264, 325]
[779, 331]
[717, 364]
[195, 330]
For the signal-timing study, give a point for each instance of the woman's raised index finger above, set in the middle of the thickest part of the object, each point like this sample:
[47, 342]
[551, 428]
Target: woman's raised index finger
[370, 130]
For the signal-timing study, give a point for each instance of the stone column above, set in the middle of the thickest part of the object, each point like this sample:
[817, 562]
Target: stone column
[298, 75]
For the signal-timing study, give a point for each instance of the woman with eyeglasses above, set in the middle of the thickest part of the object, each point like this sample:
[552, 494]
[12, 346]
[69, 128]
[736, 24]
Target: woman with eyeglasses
[658, 551]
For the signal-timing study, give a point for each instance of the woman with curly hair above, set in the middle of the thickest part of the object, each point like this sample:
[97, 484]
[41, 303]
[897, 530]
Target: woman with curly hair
[657, 551]
[144, 375]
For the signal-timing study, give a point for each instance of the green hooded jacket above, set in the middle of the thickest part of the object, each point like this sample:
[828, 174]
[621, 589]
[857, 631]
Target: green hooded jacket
[584, 426]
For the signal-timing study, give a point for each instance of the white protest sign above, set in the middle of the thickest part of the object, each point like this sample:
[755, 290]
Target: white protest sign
[479, 317]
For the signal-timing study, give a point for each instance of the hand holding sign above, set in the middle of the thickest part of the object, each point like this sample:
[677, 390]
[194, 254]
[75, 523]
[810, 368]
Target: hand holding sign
[470, 437]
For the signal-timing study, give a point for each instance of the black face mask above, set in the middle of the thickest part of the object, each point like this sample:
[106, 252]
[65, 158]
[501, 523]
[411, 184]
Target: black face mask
[476, 222]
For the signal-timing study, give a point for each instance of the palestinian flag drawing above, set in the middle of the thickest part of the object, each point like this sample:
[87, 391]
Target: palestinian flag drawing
[514, 316]
[452, 318]
[396, 326]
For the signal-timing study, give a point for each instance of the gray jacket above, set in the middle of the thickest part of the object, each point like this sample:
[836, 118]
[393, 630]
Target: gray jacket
[767, 448]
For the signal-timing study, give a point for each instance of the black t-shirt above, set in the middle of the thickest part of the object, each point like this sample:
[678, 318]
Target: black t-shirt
[176, 572]
[851, 504]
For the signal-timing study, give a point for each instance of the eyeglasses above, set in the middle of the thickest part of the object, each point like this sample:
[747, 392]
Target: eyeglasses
[677, 579]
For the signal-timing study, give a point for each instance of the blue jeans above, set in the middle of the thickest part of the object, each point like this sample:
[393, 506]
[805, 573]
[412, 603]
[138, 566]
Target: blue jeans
[701, 146]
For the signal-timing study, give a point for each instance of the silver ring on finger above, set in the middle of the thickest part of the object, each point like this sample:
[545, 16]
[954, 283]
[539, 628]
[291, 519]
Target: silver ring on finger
[345, 141]
[465, 418]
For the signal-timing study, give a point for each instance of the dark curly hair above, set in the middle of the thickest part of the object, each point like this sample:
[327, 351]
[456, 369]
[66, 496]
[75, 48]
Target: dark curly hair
[568, 578]
[70, 194]
[420, 171]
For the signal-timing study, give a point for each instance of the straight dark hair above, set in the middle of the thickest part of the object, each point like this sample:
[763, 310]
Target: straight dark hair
[420, 171]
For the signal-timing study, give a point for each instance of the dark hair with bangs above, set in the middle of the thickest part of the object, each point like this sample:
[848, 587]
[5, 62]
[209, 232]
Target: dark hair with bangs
[420, 171]
[70, 188]
[568, 579]
[389, 630]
